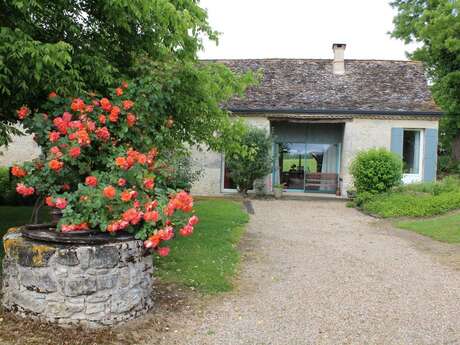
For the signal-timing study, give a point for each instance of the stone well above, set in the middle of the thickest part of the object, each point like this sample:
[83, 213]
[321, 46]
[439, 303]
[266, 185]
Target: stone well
[87, 285]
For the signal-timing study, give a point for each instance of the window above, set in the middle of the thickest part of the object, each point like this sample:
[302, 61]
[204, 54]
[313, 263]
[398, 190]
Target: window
[411, 152]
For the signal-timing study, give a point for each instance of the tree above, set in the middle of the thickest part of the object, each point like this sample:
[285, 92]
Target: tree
[72, 46]
[435, 24]
[252, 162]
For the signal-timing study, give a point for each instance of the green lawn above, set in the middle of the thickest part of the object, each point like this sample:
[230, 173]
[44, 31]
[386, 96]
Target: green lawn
[444, 228]
[13, 216]
[207, 260]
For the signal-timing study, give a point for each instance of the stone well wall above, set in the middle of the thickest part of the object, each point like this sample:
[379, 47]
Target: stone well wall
[90, 285]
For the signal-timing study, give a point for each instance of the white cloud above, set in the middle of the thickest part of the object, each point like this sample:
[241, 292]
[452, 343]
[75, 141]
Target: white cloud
[302, 29]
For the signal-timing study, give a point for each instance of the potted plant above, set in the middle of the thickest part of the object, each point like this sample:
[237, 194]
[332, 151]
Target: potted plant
[98, 172]
[278, 190]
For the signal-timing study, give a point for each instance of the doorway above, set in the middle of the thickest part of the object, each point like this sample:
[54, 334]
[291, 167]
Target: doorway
[307, 167]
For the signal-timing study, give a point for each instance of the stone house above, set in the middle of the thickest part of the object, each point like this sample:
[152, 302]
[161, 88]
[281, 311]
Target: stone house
[322, 112]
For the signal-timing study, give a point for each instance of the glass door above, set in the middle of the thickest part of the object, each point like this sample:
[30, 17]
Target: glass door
[322, 168]
[290, 165]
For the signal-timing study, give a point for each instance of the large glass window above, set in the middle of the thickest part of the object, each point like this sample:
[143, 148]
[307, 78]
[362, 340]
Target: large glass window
[411, 152]
[292, 165]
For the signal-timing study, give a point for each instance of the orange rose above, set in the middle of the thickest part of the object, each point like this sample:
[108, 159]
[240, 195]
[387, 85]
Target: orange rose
[55, 165]
[109, 192]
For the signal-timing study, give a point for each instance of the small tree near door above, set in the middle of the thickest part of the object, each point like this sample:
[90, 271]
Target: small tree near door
[251, 163]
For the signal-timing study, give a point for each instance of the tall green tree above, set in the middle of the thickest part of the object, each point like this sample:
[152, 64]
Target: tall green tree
[75, 46]
[435, 25]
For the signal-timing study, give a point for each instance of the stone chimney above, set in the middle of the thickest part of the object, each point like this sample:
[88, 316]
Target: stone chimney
[338, 65]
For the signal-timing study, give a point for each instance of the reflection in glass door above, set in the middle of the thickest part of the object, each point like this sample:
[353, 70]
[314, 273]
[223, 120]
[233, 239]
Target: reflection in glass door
[322, 168]
[291, 163]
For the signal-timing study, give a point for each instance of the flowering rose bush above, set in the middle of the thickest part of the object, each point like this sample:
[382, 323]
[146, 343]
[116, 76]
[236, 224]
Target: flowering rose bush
[101, 172]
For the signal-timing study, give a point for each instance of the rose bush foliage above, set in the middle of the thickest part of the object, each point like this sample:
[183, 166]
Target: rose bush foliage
[102, 171]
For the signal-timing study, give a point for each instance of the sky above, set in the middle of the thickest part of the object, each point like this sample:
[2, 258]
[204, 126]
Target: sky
[302, 29]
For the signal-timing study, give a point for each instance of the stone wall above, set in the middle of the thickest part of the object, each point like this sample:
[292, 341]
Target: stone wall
[91, 286]
[363, 134]
[211, 163]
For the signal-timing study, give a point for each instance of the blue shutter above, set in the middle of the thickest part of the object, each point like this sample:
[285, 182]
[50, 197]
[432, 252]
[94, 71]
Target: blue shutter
[397, 135]
[430, 154]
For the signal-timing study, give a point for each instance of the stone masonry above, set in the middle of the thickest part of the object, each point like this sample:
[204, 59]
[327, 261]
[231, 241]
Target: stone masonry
[91, 285]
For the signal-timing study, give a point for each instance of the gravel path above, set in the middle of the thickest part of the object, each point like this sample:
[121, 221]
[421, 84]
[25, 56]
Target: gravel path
[316, 272]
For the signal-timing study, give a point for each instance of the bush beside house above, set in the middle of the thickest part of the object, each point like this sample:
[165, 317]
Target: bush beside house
[376, 171]
[251, 163]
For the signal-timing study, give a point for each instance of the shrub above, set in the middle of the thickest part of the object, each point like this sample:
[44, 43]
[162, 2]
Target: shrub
[253, 161]
[416, 200]
[376, 171]
[182, 172]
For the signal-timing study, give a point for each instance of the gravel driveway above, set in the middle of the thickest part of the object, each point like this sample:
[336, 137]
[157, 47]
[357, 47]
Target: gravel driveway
[317, 272]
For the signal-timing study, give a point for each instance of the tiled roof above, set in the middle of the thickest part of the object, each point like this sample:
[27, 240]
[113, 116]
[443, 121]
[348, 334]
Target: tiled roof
[303, 85]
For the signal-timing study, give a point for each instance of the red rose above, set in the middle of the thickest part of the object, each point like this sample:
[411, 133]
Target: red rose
[102, 118]
[119, 91]
[122, 163]
[128, 104]
[149, 183]
[61, 203]
[77, 105]
[67, 117]
[193, 221]
[91, 181]
[90, 125]
[113, 117]
[151, 216]
[124, 84]
[55, 165]
[152, 242]
[52, 95]
[121, 182]
[49, 201]
[166, 234]
[54, 136]
[126, 196]
[132, 216]
[23, 112]
[186, 230]
[105, 104]
[24, 190]
[18, 171]
[74, 152]
[103, 133]
[131, 119]
[109, 192]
